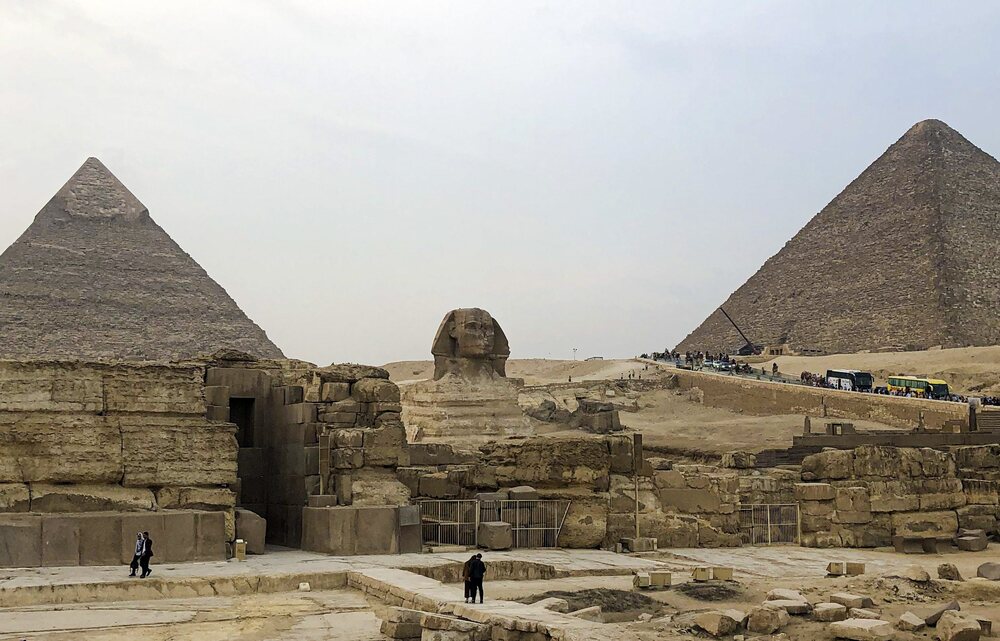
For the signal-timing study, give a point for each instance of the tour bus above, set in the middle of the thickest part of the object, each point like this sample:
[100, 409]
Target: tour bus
[849, 379]
[924, 387]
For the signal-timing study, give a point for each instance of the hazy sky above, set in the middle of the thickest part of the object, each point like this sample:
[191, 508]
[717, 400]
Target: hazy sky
[597, 175]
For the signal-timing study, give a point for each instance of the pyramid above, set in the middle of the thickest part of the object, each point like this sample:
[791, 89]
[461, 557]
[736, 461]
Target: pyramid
[907, 256]
[95, 277]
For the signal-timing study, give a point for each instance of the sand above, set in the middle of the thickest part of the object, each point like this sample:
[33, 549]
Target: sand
[968, 370]
[534, 371]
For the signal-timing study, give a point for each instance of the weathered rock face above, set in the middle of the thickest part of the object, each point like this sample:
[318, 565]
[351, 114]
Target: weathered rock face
[95, 277]
[931, 202]
[470, 396]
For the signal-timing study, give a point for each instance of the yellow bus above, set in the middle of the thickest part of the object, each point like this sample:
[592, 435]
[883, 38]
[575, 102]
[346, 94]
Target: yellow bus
[923, 387]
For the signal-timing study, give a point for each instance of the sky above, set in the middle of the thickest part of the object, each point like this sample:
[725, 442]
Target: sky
[597, 175]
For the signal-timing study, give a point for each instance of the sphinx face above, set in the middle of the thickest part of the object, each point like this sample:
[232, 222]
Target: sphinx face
[474, 333]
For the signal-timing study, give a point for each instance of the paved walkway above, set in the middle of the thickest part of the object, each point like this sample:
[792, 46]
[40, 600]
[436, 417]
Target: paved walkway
[282, 570]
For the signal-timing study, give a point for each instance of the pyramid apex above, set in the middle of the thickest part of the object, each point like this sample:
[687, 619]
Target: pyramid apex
[930, 127]
[94, 192]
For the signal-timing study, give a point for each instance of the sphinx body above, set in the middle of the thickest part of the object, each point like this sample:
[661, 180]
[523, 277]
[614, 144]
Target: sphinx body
[470, 397]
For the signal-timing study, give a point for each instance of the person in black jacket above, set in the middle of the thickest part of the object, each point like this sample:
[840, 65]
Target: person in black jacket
[134, 565]
[476, 573]
[147, 554]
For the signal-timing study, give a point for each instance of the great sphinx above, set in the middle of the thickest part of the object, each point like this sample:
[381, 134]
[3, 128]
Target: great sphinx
[470, 396]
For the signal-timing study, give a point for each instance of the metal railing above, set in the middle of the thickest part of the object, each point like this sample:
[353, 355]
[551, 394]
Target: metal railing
[450, 522]
[534, 524]
[769, 523]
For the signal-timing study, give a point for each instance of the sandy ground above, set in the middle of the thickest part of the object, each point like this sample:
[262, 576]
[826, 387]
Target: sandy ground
[968, 370]
[534, 371]
[669, 420]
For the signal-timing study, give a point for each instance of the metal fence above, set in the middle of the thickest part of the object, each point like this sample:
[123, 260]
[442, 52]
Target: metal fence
[769, 524]
[449, 522]
[534, 524]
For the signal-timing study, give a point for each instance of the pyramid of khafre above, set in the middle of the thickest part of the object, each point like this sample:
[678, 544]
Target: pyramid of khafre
[908, 255]
[94, 277]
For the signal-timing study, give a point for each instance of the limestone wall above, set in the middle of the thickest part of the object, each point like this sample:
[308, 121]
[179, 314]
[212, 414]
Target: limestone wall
[84, 445]
[767, 398]
[866, 496]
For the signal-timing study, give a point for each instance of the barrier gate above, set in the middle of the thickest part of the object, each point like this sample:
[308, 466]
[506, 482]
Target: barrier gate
[769, 523]
[534, 524]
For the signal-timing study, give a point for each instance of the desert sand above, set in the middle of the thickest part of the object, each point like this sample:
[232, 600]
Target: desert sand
[968, 370]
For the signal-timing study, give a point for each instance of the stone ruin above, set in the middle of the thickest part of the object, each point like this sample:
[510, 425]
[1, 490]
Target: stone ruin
[470, 397]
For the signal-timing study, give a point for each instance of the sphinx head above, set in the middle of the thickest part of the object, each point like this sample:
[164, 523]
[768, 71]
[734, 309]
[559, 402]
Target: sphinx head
[469, 340]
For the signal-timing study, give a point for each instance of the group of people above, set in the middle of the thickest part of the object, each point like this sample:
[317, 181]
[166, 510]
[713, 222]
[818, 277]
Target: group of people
[143, 553]
[473, 573]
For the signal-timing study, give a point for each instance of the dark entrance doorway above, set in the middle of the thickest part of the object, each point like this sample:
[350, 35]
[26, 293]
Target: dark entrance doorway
[241, 413]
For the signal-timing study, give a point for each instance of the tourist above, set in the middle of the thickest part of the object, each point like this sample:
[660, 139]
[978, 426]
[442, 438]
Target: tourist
[147, 554]
[134, 565]
[467, 578]
[476, 573]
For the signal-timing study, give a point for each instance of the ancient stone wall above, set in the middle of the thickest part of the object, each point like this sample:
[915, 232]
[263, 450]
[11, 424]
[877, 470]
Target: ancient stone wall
[322, 437]
[866, 496]
[92, 449]
[767, 398]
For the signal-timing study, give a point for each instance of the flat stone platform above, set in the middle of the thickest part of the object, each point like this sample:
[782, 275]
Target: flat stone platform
[281, 570]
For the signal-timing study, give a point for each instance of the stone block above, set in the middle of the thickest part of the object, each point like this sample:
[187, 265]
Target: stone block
[375, 390]
[179, 540]
[784, 594]
[377, 530]
[60, 540]
[217, 395]
[935, 615]
[862, 613]
[690, 501]
[400, 630]
[943, 524]
[764, 620]
[210, 536]
[989, 570]
[495, 535]
[344, 484]
[329, 530]
[909, 622]
[322, 500]
[849, 600]
[523, 493]
[438, 486]
[100, 539]
[815, 492]
[971, 543]
[334, 392]
[292, 394]
[829, 612]
[20, 540]
[344, 458]
[862, 630]
[252, 528]
[592, 613]
[217, 413]
[195, 498]
[954, 627]
[717, 623]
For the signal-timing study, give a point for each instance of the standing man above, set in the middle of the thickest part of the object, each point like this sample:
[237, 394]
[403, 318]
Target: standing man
[134, 565]
[147, 554]
[467, 578]
[477, 572]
